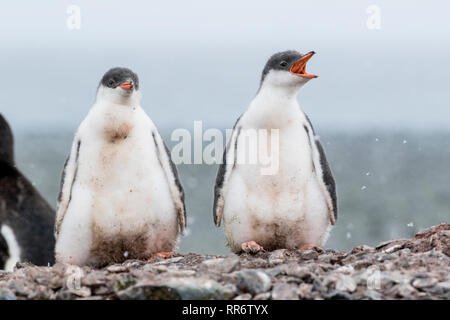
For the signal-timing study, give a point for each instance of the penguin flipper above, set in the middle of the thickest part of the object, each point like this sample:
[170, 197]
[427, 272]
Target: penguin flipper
[176, 189]
[67, 180]
[224, 173]
[323, 171]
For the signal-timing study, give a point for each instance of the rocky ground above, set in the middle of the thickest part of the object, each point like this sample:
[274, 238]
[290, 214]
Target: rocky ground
[417, 268]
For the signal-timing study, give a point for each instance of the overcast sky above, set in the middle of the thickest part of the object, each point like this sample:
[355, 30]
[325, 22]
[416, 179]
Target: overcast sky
[201, 60]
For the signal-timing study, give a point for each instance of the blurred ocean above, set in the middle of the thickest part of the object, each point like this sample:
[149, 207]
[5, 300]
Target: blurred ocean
[390, 184]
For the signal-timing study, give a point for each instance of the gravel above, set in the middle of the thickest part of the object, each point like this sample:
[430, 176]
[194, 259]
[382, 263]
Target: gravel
[417, 268]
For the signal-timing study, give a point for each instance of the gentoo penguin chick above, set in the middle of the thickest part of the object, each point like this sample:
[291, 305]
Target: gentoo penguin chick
[293, 206]
[120, 193]
[26, 219]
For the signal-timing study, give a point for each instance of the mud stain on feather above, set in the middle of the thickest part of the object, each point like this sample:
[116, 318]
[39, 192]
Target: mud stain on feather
[116, 133]
[277, 234]
[120, 246]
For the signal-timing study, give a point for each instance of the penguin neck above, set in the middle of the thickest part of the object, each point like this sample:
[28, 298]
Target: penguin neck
[113, 97]
[277, 94]
[274, 105]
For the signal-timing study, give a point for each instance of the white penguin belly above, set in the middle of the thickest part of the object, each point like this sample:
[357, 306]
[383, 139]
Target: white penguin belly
[283, 210]
[122, 206]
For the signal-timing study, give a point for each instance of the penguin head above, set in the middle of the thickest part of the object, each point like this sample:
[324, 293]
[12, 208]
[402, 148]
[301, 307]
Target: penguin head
[287, 68]
[6, 142]
[119, 85]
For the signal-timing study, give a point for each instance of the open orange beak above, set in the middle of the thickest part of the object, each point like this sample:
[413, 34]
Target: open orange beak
[299, 67]
[127, 85]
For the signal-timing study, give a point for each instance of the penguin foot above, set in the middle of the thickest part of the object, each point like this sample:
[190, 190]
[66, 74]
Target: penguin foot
[162, 254]
[251, 247]
[310, 247]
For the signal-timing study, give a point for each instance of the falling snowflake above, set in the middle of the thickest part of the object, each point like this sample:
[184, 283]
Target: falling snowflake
[349, 235]
[363, 188]
[405, 142]
[411, 224]
[367, 173]
[125, 254]
[376, 139]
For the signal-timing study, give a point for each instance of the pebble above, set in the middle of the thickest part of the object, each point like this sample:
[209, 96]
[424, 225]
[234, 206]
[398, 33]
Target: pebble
[245, 296]
[221, 265]
[309, 254]
[373, 295]
[6, 294]
[262, 296]
[253, 281]
[418, 269]
[424, 282]
[284, 291]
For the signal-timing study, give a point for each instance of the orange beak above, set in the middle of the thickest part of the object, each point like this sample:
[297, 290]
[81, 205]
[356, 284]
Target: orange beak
[299, 67]
[127, 85]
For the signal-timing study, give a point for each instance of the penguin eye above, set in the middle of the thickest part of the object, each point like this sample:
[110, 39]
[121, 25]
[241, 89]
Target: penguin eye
[111, 82]
[283, 63]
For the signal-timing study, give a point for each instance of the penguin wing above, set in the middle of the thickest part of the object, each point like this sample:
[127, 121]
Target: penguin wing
[176, 189]
[323, 171]
[224, 173]
[67, 180]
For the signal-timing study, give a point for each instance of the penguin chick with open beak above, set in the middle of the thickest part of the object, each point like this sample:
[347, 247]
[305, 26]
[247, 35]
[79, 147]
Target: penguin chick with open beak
[120, 193]
[295, 205]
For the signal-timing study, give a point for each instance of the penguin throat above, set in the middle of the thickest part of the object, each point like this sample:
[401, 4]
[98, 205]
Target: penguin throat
[275, 93]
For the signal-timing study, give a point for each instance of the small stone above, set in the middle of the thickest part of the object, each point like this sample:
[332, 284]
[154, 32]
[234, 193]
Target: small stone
[341, 282]
[103, 290]
[82, 292]
[373, 295]
[181, 273]
[308, 254]
[95, 278]
[402, 290]
[6, 294]
[148, 292]
[325, 258]
[116, 268]
[345, 283]
[245, 296]
[345, 269]
[440, 288]
[168, 261]
[304, 290]
[284, 291]
[221, 265]
[253, 281]
[362, 248]
[200, 288]
[339, 295]
[277, 257]
[65, 295]
[262, 296]
[424, 282]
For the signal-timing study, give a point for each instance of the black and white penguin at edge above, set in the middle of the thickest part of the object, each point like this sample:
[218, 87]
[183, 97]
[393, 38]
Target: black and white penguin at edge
[120, 197]
[296, 206]
[26, 218]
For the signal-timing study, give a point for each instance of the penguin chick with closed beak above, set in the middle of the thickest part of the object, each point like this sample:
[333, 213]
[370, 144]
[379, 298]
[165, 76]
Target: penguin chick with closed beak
[120, 197]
